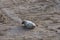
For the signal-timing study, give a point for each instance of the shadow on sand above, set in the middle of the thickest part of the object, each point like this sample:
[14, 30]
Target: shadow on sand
[18, 30]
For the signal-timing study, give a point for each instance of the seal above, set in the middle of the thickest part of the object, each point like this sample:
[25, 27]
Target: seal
[29, 24]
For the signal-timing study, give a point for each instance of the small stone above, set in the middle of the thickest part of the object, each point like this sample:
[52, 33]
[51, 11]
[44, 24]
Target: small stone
[58, 28]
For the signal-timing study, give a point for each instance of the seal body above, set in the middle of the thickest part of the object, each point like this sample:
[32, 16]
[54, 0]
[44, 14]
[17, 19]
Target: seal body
[28, 24]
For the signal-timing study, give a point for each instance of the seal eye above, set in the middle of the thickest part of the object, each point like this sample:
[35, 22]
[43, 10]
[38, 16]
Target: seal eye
[23, 22]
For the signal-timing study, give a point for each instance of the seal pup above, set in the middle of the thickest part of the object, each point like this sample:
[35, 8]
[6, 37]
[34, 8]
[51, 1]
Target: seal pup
[28, 24]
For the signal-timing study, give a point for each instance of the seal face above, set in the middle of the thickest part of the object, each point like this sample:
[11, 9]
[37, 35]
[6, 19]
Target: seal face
[28, 24]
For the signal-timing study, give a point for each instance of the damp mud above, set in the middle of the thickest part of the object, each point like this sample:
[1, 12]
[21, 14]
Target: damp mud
[44, 13]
